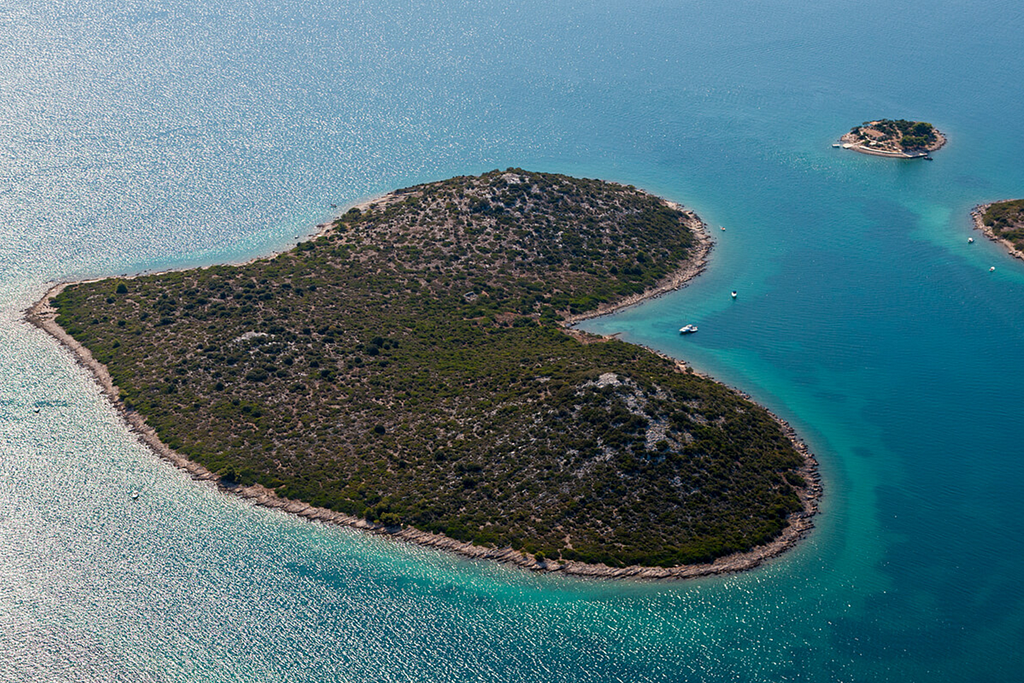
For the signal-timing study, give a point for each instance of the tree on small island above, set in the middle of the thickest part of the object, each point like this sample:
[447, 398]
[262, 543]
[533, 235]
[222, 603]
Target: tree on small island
[410, 368]
[895, 138]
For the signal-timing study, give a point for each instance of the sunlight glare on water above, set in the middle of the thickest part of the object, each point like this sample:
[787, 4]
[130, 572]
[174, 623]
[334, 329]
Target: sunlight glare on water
[140, 136]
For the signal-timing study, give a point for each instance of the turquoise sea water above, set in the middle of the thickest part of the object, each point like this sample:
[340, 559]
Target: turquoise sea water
[152, 135]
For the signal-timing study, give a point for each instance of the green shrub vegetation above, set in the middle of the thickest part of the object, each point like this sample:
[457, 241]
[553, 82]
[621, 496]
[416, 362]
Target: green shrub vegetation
[410, 367]
[1006, 219]
[900, 134]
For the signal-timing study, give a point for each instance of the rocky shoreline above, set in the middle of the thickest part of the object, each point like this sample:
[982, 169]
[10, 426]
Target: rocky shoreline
[676, 280]
[977, 214]
[43, 315]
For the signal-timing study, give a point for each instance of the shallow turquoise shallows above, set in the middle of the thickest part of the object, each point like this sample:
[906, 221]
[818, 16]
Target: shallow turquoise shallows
[144, 136]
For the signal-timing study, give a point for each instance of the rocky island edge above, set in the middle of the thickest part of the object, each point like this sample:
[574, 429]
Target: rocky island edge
[1002, 222]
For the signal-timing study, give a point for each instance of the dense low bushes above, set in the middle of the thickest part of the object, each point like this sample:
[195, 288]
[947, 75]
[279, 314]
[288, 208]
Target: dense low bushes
[899, 134]
[1007, 221]
[409, 367]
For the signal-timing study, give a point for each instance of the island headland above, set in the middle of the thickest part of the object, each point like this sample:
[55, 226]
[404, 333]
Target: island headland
[899, 139]
[409, 372]
[1002, 222]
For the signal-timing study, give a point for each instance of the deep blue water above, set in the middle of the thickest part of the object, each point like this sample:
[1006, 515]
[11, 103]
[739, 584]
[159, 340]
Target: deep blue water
[152, 135]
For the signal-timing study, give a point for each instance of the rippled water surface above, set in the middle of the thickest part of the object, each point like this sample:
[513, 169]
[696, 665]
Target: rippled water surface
[143, 136]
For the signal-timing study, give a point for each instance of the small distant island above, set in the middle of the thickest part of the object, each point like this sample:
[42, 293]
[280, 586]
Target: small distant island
[1003, 222]
[410, 372]
[899, 139]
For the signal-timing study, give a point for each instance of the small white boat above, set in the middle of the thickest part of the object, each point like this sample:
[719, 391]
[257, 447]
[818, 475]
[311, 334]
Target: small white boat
[723, 228]
[991, 269]
[734, 294]
[135, 495]
[687, 329]
[836, 144]
[970, 240]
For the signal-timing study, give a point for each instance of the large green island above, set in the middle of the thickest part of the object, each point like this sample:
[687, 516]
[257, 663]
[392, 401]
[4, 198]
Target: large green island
[900, 139]
[410, 371]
